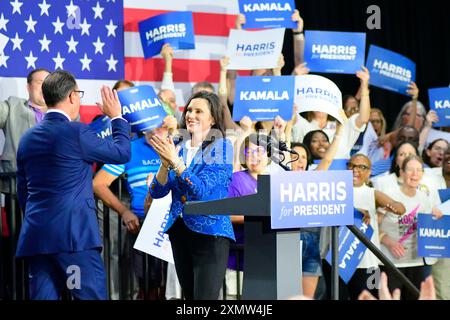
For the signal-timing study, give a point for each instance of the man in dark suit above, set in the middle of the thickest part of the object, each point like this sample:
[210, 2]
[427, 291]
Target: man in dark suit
[60, 236]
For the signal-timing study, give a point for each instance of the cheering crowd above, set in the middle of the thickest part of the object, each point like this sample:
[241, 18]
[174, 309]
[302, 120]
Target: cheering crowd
[201, 154]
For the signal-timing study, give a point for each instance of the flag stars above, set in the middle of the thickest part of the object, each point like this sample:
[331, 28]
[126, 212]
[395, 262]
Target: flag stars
[16, 6]
[3, 22]
[58, 61]
[112, 63]
[44, 8]
[98, 46]
[58, 26]
[71, 10]
[85, 27]
[98, 11]
[72, 45]
[111, 28]
[30, 24]
[3, 59]
[45, 43]
[85, 63]
[31, 61]
[17, 42]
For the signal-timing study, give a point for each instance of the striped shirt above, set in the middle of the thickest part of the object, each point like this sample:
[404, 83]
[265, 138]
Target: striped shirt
[144, 160]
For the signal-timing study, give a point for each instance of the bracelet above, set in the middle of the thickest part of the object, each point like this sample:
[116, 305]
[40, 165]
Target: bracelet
[297, 33]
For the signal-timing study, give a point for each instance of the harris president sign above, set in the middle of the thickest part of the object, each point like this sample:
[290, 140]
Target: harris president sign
[311, 199]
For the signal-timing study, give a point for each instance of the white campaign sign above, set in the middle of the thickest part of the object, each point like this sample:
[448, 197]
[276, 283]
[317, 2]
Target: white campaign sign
[251, 50]
[151, 239]
[317, 93]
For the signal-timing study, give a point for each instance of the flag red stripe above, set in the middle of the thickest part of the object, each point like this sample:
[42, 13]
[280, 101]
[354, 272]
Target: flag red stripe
[139, 69]
[88, 113]
[205, 24]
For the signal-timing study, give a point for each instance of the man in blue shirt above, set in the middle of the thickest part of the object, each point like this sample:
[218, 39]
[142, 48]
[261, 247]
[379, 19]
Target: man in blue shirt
[144, 162]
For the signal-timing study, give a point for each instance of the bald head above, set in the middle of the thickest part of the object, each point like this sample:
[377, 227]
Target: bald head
[407, 134]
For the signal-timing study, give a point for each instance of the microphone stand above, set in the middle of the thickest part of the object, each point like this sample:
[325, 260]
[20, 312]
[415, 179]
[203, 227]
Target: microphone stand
[280, 163]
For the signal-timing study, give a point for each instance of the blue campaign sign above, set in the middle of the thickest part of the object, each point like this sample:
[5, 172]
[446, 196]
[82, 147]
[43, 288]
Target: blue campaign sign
[351, 250]
[102, 127]
[434, 236]
[175, 28]
[390, 70]
[264, 98]
[444, 194]
[337, 164]
[335, 52]
[311, 199]
[268, 13]
[440, 102]
[141, 108]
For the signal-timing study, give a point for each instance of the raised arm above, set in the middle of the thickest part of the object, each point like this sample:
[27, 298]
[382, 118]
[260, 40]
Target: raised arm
[382, 200]
[299, 39]
[167, 80]
[223, 95]
[325, 163]
[364, 104]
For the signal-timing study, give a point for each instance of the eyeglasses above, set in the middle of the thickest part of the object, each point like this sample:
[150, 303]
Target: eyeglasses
[375, 121]
[258, 151]
[80, 93]
[361, 167]
[412, 170]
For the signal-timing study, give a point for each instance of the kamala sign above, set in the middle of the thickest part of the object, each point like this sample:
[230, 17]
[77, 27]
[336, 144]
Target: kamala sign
[264, 98]
[141, 108]
[268, 13]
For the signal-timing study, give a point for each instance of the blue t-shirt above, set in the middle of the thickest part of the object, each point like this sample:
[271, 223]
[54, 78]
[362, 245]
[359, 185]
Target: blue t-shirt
[144, 160]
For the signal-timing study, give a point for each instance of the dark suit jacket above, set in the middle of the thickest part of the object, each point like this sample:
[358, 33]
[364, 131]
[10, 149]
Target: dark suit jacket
[54, 183]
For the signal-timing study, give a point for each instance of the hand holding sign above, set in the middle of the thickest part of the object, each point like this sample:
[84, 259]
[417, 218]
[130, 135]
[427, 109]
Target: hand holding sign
[413, 90]
[298, 19]
[301, 69]
[240, 20]
[432, 117]
[364, 76]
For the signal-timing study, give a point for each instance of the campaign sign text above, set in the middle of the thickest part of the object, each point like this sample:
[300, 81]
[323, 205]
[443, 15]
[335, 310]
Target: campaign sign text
[102, 127]
[250, 50]
[390, 70]
[434, 236]
[264, 98]
[335, 52]
[351, 249]
[175, 28]
[440, 102]
[151, 238]
[268, 13]
[311, 199]
[317, 93]
[141, 108]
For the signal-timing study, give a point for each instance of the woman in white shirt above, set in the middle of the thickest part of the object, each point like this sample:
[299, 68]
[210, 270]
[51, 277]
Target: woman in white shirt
[366, 199]
[399, 233]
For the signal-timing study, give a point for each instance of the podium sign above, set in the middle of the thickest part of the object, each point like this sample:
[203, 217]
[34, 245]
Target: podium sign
[311, 199]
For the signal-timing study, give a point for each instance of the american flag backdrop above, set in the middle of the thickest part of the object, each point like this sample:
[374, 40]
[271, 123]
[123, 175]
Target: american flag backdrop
[98, 41]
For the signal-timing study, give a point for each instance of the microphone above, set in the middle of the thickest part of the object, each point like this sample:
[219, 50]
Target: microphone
[283, 147]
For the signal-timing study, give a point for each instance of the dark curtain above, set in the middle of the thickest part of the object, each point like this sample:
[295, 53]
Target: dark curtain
[419, 30]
